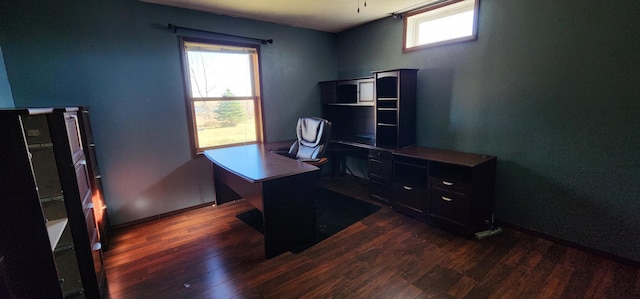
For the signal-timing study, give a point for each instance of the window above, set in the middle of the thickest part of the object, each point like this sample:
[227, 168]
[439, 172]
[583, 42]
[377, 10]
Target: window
[223, 93]
[442, 23]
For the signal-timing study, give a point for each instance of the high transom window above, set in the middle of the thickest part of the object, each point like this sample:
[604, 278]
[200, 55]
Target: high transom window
[223, 93]
[441, 23]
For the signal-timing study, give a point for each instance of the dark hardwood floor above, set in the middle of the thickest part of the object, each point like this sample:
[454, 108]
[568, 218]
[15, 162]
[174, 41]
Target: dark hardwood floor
[209, 253]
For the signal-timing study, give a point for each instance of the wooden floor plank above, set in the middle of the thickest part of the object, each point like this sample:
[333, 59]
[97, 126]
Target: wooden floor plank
[209, 253]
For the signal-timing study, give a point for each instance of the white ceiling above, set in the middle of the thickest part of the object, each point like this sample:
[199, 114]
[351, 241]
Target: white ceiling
[322, 15]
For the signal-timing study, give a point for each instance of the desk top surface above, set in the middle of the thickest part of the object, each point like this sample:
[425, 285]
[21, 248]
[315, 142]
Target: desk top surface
[255, 164]
[431, 154]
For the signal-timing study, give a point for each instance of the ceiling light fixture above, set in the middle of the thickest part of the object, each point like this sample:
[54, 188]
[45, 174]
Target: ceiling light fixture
[365, 5]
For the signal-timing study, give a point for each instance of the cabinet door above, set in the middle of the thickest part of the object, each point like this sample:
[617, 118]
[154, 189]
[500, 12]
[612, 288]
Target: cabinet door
[75, 144]
[366, 90]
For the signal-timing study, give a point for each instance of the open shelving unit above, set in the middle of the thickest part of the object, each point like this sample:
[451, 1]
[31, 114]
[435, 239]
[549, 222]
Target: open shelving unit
[395, 108]
[49, 251]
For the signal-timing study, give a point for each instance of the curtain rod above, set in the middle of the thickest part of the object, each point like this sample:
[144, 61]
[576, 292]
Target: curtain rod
[176, 28]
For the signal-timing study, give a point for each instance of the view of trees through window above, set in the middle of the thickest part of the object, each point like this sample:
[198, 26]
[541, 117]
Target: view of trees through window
[224, 94]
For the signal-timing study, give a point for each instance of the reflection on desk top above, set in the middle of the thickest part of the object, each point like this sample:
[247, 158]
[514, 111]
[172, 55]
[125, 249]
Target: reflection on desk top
[425, 153]
[255, 164]
[444, 156]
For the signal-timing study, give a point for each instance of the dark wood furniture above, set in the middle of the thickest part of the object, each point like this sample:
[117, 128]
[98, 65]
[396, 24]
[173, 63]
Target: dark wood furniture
[446, 188]
[97, 193]
[350, 107]
[395, 108]
[380, 162]
[379, 111]
[48, 236]
[450, 189]
[356, 91]
[283, 189]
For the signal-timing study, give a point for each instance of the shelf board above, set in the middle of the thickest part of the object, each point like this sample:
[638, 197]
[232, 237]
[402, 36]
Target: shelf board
[55, 229]
[52, 198]
[365, 104]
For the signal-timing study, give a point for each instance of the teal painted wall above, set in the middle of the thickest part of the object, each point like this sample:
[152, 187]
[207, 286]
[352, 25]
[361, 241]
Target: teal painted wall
[6, 98]
[119, 58]
[552, 88]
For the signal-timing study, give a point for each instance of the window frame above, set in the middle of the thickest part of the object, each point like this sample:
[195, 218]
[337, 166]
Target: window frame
[435, 6]
[257, 99]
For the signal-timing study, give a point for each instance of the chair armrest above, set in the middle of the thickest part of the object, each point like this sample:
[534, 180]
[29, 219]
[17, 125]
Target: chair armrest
[283, 153]
[308, 160]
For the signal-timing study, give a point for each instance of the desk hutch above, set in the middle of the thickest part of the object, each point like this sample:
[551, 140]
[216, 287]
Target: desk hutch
[375, 117]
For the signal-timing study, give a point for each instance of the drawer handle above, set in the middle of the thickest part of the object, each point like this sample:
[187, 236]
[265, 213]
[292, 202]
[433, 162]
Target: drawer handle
[447, 183]
[446, 198]
[407, 188]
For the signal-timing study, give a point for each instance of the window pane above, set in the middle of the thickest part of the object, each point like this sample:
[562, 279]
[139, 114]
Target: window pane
[451, 27]
[224, 122]
[215, 74]
[444, 22]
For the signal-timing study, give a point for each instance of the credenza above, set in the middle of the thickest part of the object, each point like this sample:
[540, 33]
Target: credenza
[449, 189]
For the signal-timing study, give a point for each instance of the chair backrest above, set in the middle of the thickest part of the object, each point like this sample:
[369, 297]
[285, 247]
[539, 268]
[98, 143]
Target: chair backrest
[313, 137]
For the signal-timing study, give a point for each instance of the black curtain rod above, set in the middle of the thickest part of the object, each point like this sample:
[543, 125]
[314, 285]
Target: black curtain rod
[176, 28]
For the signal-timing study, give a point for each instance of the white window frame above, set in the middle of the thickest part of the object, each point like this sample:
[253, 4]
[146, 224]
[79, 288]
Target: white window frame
[435, 11]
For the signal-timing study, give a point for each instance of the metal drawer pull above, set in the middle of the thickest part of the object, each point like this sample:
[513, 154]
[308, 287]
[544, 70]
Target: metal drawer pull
[446, 198]
[407, 188]
[447, 183]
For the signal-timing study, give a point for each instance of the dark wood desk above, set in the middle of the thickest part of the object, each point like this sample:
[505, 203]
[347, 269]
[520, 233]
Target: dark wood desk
[280, 187]
[450, 189]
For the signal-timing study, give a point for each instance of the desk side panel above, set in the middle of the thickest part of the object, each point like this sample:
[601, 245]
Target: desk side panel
[289, 212]
[227, 185]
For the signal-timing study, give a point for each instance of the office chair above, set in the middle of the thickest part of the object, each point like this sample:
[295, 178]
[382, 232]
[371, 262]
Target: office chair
[313, 138]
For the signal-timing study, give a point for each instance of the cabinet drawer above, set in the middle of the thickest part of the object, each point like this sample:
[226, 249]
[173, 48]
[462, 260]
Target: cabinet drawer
[379, 191]
[409, 198]
[91, 226]
[380, 154]
[449, 185]
[451, 207]
[379, 170]
[84, 183]
[458, 174]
